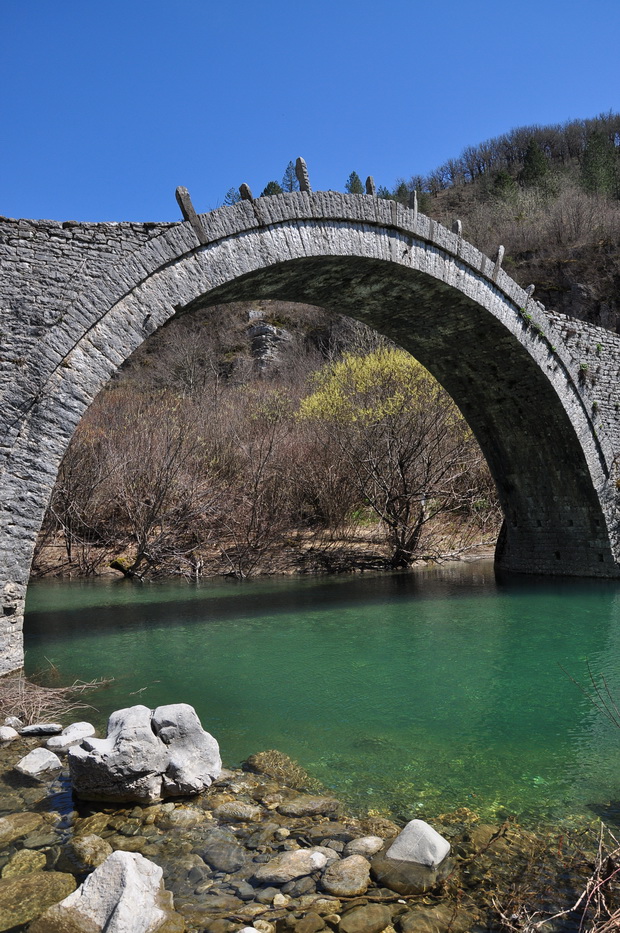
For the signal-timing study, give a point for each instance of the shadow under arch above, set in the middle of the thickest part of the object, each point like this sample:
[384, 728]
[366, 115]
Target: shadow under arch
[553, 517]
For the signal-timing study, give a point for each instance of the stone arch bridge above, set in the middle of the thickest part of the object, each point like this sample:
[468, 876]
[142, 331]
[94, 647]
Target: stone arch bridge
[539, 390]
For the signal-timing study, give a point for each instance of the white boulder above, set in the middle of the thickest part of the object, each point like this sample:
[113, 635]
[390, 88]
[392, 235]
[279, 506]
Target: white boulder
[8, 734]
[418, 842]
[125, 894]
[70, 736]
[37, 762]
[147, 755]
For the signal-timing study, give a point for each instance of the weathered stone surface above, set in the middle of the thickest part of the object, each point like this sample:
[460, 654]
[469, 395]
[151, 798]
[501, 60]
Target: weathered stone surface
[15, 825]
[419, 842]
[364, 845]
[347, 877]
[24, 862]
[24, 897]
[38, 762]
[309, 806]
[123, 895]
[290, 865]
[70, 736]
[147, 755]
[369, 918]
[8, 734]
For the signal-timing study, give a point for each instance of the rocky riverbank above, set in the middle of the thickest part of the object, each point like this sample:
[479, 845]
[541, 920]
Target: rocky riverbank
[262, 848]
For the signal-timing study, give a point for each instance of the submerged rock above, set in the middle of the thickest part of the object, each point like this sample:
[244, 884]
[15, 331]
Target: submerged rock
[290, 865]
[309, 806]
[369, 918]
[147, 755]
[347, 877]
[24, 862]
[15, 825]
[24, 897]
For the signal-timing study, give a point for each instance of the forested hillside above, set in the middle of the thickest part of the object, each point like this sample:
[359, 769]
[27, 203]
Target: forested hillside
[551, 196]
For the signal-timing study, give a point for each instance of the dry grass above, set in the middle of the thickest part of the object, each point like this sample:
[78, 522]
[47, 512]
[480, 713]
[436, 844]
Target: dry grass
[32, 702]
[596, 908]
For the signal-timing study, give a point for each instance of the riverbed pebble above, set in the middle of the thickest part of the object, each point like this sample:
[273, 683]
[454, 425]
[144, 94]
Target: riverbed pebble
[8, 734]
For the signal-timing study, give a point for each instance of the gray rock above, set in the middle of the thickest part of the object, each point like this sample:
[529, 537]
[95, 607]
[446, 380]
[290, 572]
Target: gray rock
[266, 895]
[123, 895]
[419, 842]
[347, 877]
[290, 865]
[364, 845]
[244, 890]
[147, 755]
[70, 736]
[38, 762]
[8, 734]
[299, 886]
[42, 728]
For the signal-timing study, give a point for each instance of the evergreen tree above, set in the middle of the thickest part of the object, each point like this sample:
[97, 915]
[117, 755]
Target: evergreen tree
[289, 181]
[272, 187]
[401, 193]
[383, 192]
[232, 196]
[504, 185]
[600, 166]
[353, 184]
[535, 166]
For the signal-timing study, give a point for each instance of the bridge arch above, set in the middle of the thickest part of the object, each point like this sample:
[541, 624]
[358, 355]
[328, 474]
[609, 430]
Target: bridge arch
[505, 361]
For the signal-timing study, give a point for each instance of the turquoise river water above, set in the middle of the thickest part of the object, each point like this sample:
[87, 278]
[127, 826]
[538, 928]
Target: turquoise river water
[411, 694]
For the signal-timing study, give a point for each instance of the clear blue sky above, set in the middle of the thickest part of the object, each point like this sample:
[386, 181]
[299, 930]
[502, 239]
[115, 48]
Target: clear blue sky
[108, 105]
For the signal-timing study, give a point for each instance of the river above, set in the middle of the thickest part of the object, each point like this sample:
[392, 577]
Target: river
[410, 694]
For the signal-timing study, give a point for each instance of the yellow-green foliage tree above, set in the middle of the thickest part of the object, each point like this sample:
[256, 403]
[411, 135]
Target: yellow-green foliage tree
[409, 452]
